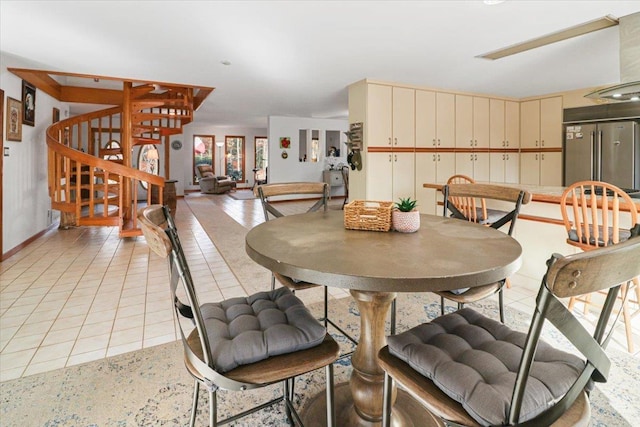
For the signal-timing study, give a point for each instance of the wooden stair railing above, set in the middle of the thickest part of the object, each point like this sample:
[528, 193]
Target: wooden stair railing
[87, 189]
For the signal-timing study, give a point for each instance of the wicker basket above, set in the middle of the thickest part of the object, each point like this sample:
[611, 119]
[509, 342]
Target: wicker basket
[368, 215]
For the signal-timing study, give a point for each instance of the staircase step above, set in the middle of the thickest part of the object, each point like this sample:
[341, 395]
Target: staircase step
[143, 117]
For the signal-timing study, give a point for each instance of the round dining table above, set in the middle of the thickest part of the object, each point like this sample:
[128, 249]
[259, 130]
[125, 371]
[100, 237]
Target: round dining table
[443, 254]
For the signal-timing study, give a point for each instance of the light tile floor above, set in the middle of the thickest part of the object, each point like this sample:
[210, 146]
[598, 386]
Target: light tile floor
[78, 295]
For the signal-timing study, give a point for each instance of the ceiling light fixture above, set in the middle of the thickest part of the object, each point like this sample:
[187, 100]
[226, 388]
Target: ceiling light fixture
[225, 62]
[567, 33]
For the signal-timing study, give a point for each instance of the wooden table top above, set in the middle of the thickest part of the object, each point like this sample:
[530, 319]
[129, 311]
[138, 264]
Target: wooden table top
[443, 254]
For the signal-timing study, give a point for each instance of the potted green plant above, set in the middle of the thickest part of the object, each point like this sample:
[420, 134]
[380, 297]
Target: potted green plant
[405, 217]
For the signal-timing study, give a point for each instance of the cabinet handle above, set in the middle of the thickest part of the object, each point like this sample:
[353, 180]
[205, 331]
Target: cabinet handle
[507, 143]
[536, 157]
[395, 157]
[475, 157]
[389, 140]
[475, 142]
[503, 144]
[395, 141]
[438, 141]
[434, 157]
[536, 142]
[507, 157]
[543, 142]
[471, 142]
[438, 157]
[503, 157]
[390, 157]
[434, 142]
[542, 156]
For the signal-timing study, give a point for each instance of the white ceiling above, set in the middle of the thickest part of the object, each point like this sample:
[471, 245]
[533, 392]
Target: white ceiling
[296, 58]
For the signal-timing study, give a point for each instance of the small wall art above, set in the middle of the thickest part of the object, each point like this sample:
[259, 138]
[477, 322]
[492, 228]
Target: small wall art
[14, 120]
[29, 103]
[56, 115]
[285, 142]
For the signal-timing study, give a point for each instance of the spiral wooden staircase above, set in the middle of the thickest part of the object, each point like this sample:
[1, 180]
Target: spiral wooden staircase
[91, 179]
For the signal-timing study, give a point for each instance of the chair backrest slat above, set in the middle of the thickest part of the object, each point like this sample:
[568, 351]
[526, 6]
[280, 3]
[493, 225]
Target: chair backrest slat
[316, 189]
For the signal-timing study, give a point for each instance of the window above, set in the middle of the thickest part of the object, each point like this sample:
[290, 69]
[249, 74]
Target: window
[234, 156]
[262, 158]
[203, 153]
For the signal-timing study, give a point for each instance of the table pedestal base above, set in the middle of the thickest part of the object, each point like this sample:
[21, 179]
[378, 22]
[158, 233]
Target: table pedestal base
[407, 412]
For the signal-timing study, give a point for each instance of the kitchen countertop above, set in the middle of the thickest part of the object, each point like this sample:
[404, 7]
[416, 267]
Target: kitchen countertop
[539, 193]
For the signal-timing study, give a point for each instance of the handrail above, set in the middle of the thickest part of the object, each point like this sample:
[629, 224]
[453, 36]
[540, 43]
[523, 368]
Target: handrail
[86, 186]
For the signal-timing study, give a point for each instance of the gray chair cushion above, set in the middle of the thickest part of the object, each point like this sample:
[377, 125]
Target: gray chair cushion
[623, 235]
[474, 360]
[247, 330]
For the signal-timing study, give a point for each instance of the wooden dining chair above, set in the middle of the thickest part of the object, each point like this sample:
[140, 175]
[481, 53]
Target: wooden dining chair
[472, 193]
[593, 221]
[240, 343]
[270, 193]
[470, 370]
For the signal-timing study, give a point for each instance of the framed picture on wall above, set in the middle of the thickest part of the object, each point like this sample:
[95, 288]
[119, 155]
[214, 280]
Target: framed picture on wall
[56, 115]
[29, 103]
[14, 120]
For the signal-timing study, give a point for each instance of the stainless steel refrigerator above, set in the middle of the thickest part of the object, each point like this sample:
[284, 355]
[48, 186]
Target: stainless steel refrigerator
[608, 151]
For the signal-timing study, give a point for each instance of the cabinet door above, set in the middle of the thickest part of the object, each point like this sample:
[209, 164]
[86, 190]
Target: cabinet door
[425, 118]
[551, 169]
[530, 168]
[403, 176]
[530, 124]
[512, 124]
[379, 115]
[379, 176]
[496, 124]
[512, 168]
[464, 164]
[481, 122]
[551, 122]
[445, 119]
[481, 169]
[445, 166]
[425, 174]
[464, 121]
[404, 117]
[497, 163]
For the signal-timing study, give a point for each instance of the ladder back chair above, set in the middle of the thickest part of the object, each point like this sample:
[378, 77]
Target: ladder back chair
[470, 370]
[593, 221]
[305, 189]
[240, 343]
[471, 193]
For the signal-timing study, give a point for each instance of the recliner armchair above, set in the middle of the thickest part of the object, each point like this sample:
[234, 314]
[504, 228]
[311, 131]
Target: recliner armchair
[212, 184]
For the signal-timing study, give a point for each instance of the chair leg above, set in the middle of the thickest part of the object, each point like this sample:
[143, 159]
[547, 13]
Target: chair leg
[626, 316]
[501, 305]
[326, 307]
[572, 302]
[386, 400]
[331, 412]
[508, 282]
[393, 316]
[194, 405]
[273, 282]
[442, 305]
[213, 409]
[286, 394]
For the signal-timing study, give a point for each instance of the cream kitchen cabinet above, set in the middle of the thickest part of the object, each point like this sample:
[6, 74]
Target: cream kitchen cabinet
[435, 119]
[504, 167]
[390, 116]
[390, 176]
[544, 168]
[473, 165]
[504, 124]
[541, 123]
[432, 168]
[472, 122]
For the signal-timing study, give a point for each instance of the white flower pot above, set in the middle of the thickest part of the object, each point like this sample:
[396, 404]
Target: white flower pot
[405, 222]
